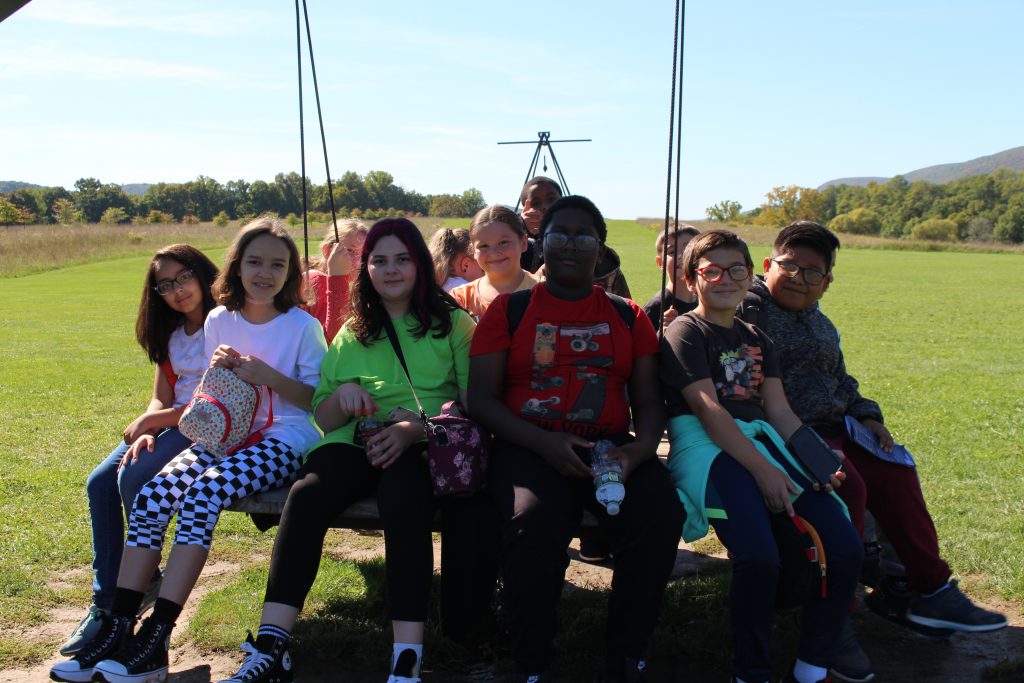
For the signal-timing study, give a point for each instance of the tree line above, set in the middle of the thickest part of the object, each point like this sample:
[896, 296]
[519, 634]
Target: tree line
[204, 199]
[981, 208]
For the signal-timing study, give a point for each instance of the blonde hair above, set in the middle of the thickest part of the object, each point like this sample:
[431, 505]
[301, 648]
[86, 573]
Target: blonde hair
[446, 245]
[498, 213]
[345, 228]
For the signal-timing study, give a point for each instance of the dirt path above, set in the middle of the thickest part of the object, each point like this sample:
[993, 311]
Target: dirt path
[899, 655]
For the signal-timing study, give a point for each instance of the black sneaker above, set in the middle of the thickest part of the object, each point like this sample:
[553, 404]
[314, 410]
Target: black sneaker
[851, 664]
[86, 630]
[272, 666]
[634, 670]
[112, 634]
[142, 660]
[542, 677]
[950, 608]
[594, 547]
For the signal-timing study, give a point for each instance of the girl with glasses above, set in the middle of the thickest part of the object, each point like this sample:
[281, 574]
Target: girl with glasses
[176, 299]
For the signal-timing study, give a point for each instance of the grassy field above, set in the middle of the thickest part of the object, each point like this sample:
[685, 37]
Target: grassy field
[929, 335]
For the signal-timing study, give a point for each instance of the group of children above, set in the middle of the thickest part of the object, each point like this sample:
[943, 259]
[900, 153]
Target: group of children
[536, 346]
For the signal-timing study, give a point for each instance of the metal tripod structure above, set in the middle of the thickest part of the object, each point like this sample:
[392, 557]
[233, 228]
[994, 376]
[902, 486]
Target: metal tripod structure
[544, 140]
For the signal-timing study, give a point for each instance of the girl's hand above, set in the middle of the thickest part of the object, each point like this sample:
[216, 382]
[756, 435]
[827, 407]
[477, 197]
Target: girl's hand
[340, 260]
[131, 456]
[255, 371]
[354, 401]
[776, 489]
[225, 357]
[836, 479]
[143, 424]
[384, 448]
[557, 449]
[885, 439]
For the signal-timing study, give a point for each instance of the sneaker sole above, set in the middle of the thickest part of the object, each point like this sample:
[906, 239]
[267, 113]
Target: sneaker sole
[849, 678]
[593, 560]
[158, 676]
[887, 612]
[83, 676]
[954, 626]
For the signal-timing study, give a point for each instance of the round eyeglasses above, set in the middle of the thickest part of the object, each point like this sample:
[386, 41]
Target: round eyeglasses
[812, 276]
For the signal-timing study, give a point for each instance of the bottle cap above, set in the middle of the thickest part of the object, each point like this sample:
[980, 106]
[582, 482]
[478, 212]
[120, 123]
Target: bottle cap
[613, 508]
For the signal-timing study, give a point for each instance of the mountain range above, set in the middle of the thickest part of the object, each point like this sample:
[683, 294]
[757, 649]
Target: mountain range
[944, 173]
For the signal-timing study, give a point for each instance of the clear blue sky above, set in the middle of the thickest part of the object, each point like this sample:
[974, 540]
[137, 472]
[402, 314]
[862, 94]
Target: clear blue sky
[774, 93]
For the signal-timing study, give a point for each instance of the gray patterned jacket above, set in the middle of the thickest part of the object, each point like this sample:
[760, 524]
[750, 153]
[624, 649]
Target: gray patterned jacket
[814, 375]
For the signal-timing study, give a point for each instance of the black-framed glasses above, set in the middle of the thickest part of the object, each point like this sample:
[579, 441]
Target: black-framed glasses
[812, 276]
[165, 287]
[561, 240]
[713, 272]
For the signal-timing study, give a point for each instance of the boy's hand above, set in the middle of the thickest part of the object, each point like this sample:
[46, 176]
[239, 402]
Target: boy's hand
[776, 489]
[835, 480]
[531, 217]
[557, 449]
[885, 439]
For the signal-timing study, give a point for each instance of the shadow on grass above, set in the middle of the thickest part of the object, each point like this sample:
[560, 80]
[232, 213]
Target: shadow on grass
[344, 625]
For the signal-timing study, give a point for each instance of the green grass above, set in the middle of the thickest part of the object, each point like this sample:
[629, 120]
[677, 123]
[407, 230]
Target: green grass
[930, 335]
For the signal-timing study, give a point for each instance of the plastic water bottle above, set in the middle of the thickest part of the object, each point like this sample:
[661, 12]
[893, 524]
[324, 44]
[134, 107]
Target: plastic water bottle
[608, 486]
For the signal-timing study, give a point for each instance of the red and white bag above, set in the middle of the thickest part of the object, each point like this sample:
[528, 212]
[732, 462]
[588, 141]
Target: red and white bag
[220, 415]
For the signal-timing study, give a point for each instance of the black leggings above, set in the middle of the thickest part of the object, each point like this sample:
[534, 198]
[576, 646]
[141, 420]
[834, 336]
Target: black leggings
[337, 475]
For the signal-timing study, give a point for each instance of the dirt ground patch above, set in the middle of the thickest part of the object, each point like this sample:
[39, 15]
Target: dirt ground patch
[899, 655]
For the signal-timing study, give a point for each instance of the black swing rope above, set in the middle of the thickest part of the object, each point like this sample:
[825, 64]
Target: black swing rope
[302, 131]
[675, 127]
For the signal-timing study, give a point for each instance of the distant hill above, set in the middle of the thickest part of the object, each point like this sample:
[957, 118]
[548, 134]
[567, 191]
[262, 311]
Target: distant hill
[943, 173]
[12, 185]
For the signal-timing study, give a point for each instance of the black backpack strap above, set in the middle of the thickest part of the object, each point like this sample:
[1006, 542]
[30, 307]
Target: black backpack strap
[517, 304]
[626, 311]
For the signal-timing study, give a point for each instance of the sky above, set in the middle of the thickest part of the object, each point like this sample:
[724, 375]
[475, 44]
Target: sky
[774, 94]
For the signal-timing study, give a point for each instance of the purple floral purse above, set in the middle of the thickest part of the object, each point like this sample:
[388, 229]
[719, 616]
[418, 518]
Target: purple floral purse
[457, 447]
[456, 453]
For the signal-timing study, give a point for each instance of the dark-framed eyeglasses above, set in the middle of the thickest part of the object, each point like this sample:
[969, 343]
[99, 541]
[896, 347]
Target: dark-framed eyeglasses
[561, 240]
[165, 287]
[713, 272]
[812, 276]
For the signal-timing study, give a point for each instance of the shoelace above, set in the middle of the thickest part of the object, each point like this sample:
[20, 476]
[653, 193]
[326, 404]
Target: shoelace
[254, 664]
[142, 644]
[102, 645]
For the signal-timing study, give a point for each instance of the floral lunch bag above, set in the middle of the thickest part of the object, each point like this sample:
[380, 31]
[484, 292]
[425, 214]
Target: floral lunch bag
[220, 415]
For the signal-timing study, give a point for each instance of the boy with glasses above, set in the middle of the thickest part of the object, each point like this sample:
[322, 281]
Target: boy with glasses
[784, 304]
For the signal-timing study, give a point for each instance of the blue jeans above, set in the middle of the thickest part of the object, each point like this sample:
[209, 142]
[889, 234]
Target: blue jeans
[756, 564]
[111, 494]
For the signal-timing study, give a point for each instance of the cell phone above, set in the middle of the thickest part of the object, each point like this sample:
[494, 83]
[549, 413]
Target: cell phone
[819, 461]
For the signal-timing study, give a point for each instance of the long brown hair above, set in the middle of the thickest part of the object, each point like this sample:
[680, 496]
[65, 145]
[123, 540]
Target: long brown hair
[430, 305]
[228, 288]
[156, 320]
[498, 213]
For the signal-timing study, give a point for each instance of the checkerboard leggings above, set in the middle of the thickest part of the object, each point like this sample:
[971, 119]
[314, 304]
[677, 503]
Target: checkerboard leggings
[198, 486]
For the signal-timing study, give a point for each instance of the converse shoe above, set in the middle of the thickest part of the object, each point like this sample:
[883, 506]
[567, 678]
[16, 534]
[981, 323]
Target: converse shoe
[87, 628]
[273, 666]
[406, 669]
[950, 608]
[111, 634]
[852, 664]
[142, 660]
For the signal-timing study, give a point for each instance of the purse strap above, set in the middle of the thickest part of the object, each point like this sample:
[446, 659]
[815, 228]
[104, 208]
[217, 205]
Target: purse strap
[389, 327]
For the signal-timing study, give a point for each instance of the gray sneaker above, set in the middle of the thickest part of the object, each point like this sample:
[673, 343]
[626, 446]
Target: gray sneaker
[152, 593]
[852, 664]
[86, 630]
[950, 608]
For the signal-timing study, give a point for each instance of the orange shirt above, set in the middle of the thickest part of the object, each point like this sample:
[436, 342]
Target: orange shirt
[468, 295]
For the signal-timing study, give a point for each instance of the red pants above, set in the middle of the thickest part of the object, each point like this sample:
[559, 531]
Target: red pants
[893, 495]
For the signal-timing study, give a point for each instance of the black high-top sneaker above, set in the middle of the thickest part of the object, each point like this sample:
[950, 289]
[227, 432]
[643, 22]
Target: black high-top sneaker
[406, 669]
[111, 636]
[142, 660]
[272, 666]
